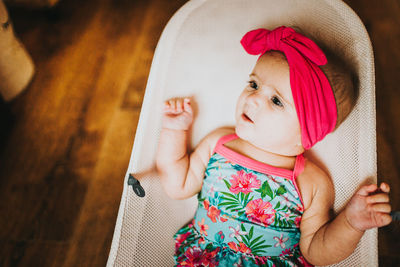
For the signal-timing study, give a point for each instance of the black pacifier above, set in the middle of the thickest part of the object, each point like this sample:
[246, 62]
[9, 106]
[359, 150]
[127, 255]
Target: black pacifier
[137, 188]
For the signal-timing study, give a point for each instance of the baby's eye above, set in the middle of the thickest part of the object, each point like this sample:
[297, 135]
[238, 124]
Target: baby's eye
[276, 101]
[253, 84]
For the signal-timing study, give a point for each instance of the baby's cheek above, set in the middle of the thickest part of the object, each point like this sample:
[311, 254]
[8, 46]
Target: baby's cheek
[296, 135]
[293, 126]
[288, 135]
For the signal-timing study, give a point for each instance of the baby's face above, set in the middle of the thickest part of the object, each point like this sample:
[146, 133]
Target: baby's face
[265, 113]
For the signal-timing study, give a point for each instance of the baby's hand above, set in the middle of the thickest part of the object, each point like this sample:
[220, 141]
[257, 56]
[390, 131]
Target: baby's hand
[369, 207]
[178, 114]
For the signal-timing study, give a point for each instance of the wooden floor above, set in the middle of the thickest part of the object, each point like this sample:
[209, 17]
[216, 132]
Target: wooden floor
[65, 142]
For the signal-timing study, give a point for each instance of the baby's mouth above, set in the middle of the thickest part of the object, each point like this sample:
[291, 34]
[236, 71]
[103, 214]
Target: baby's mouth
[246, 118]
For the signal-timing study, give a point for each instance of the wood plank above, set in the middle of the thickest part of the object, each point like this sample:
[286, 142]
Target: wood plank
[32, 253]
[84, 104]
[102, 189]
[38, 151]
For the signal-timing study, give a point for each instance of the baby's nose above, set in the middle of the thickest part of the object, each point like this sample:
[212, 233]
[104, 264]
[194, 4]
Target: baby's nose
[254, 100]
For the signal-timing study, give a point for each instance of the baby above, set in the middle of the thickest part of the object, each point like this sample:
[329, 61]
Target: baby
[260, 201]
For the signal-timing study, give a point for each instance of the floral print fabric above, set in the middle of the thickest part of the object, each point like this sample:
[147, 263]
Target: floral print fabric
[244, 218]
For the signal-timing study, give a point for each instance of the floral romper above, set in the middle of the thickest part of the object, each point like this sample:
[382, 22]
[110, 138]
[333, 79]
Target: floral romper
[248, 214]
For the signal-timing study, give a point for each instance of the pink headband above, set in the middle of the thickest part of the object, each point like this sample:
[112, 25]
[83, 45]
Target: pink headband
[312, 93]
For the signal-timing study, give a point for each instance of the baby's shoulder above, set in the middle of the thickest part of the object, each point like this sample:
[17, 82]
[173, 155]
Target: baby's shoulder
[314, 172]
[213, 137]
[314, 182]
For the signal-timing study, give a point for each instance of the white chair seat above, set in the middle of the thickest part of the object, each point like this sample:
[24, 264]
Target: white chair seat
[199, 55]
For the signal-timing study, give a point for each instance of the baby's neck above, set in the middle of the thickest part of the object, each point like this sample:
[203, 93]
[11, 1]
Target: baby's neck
[247, 149]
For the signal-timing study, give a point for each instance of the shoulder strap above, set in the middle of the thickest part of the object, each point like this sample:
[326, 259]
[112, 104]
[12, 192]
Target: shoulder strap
[224, 139]
[299, 166]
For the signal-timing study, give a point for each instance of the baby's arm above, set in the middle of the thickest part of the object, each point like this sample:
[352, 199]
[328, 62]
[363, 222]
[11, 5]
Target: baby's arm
[181, 174]
[324, 241]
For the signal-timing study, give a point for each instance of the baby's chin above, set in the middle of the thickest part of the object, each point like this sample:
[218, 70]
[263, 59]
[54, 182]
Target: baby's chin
[242, 133]
[290, 151]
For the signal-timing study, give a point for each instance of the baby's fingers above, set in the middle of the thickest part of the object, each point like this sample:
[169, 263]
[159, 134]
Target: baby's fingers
[378, 198]
[367, 189]
[177, 105]
[187, 107]
[382, 207]
[385, 187]
[169, 105]
[173, 105]
[383, 219]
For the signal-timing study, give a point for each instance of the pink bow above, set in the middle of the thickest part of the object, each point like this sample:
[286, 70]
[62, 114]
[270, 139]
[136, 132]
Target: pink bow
[312, 93]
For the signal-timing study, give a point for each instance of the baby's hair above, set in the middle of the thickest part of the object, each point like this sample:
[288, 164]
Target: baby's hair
[342, 79]
[343, 82]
